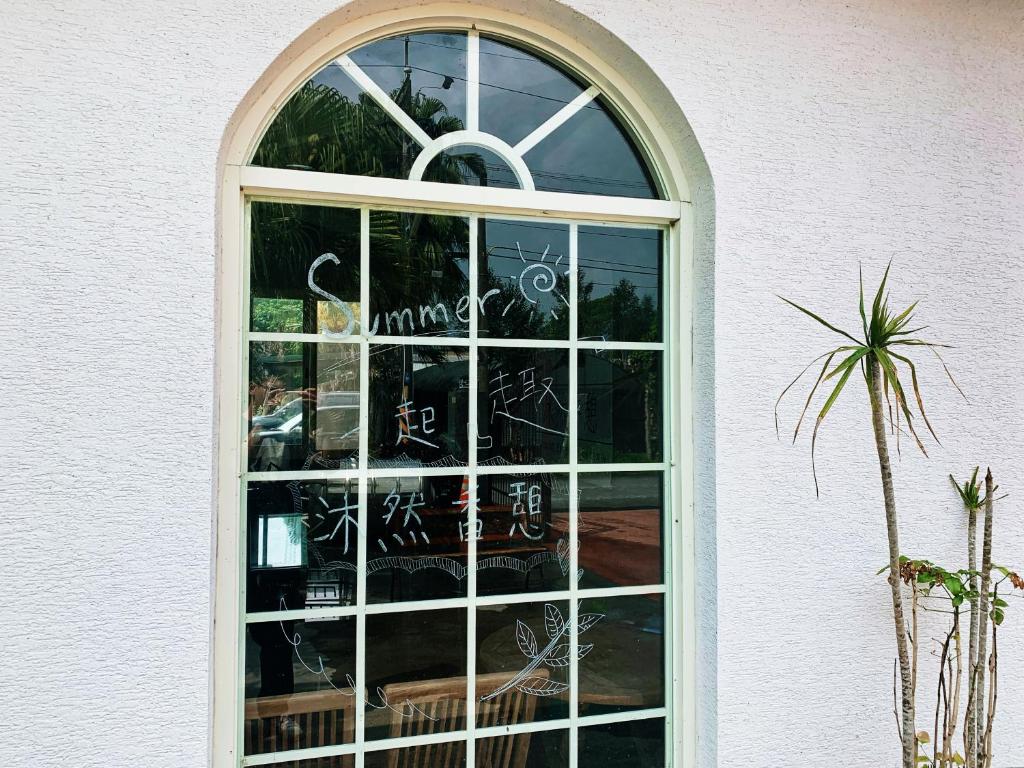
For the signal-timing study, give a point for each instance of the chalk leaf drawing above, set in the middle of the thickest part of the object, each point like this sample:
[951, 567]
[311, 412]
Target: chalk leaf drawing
[556, 654]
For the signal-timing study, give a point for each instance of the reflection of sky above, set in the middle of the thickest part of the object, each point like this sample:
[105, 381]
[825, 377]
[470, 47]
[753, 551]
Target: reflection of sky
[432, 56]
[504, 241]
[590, 153]
[518, 91]
[609, 255]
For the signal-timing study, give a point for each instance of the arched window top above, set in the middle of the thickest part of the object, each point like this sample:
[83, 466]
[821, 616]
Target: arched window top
[458, 108]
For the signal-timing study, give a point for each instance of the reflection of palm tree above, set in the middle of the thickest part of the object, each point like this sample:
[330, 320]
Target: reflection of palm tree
[320, 129]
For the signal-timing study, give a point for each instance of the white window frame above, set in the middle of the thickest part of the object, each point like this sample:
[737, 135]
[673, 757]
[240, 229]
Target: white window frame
[241, 182]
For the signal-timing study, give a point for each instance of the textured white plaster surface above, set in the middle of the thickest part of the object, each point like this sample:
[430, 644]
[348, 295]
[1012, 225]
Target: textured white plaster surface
[836, 132]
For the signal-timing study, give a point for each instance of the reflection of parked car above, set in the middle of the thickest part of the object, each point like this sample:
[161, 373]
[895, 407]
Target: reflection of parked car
[283, 413]
[337, 421]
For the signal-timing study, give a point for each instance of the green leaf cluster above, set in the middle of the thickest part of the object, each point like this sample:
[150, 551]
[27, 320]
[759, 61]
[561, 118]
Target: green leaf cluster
[888, 340]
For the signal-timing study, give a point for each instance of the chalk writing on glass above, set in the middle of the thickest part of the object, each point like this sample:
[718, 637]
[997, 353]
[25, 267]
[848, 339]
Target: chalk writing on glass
[346, 310]
[392, 504]
[538, 278]
[345, 519]
[526, 511]
[506, 390]
[555, 654]
[535, 280]
[409, 422]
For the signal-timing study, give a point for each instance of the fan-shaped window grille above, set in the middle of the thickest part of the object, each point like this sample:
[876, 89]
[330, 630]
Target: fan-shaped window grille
[447, 107]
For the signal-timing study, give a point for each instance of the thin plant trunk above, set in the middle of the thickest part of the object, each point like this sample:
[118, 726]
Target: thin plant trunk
[907, 728]
[970, 723]
[993, 669]
[954, 712]
[981, 663]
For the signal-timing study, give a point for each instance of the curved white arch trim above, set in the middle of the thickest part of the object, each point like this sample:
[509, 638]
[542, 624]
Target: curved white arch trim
[473, 139]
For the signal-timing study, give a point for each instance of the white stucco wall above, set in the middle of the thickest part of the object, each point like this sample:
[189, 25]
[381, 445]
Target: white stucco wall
[837, 133]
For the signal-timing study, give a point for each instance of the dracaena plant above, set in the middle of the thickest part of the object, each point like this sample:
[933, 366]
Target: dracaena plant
[883, 357]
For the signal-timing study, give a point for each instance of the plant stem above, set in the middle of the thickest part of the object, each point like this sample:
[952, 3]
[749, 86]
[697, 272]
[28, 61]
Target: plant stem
[970, 723]
[892, 530]
[981, 662]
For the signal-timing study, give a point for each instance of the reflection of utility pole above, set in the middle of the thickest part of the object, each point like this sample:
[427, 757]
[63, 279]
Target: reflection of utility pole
[407, 106]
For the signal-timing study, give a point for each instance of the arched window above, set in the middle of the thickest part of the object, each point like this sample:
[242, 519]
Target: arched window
[455, 540]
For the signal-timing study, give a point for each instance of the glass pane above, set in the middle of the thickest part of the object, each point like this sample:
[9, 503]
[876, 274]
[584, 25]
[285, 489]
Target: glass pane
[544, 749]
[475, 166]
[620, 529]
[292, 246]
[424, 73]
[524, 280]
[419, 406]
[449, 754]
[522, 663]
[419, 274]
[524, 415]
[334, 761]
[299, 684]
[303, 406]
[638, 744]
[590, 153]
[623, 667]
[519, 91]
[417, 541]
[329, 125]
[620, 283]
[620, 416]
[303, 540]
[415, 673]
[524, 533]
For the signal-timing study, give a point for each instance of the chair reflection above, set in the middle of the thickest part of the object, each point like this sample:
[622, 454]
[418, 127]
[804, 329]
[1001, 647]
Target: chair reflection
[301, 721]
[440, 707]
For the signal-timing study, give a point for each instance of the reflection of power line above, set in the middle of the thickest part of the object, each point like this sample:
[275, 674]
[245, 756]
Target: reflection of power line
[570, 177]
[650, 272]
[482, 53]
[592, 105]
[609, 233]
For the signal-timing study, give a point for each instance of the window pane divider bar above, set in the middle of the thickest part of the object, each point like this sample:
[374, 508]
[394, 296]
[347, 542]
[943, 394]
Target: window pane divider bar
[574, 496]
[375, 92]
[300, 614]
[473, 80]
[554, 122]
[342, 475]
[314, 186]
[538, 726]
[471, 495]
[364, 511]
[458, 341]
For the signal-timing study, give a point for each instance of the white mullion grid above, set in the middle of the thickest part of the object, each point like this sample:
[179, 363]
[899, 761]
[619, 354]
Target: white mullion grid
[461, 341]
[243, 496]
[473, 82]
[574, 676]
[472, 493]
[364, 447]
[342, 475]
[364, 474]
[669, 397]
[537, 726]
[373, 609]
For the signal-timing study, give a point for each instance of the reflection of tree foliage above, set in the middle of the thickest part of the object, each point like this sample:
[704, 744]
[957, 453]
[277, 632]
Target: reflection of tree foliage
[321, 129]
[509, 314]
[620, 314]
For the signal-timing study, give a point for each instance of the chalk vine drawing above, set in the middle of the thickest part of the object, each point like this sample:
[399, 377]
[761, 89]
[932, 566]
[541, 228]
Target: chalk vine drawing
[405, 709]
[556, 654]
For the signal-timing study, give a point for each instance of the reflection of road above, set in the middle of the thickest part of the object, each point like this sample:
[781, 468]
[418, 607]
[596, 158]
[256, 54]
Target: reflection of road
[620, 536]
